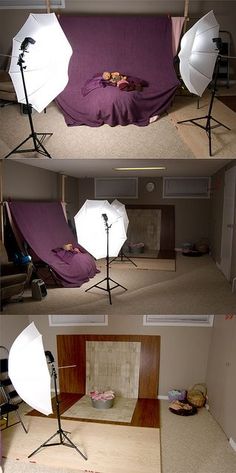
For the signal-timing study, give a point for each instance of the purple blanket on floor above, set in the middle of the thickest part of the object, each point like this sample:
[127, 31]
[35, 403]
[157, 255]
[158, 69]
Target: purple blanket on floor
[45, 229]
[137, 46]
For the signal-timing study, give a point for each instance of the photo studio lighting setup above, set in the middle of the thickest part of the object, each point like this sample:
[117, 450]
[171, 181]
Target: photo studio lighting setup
[199, 65]
[101, 231]
[30, 370]
[122, 257]
[39, 71]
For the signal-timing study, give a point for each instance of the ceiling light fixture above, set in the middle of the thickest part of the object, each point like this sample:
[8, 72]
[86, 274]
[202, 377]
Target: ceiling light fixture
[143, 168]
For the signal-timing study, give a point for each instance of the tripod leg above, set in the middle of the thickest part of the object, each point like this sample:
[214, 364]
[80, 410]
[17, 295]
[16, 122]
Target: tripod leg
[15, 150]
[72, 445]
[40, 145]
[44, 444]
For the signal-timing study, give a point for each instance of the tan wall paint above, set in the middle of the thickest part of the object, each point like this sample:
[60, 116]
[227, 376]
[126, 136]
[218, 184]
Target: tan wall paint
[183, 363]
[221, 379]
[191, 215]
[216, 216]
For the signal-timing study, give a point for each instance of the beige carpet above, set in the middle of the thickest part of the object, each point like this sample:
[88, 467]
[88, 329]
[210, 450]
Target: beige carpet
[196, 287]
[142, 263]
[109, 448]
[161, 139]
[194, 444]
[158, 140]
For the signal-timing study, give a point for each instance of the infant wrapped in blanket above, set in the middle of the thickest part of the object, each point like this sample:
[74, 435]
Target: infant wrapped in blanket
[115, 79]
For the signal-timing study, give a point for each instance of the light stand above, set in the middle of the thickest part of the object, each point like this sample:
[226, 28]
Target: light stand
[107, 278]
[123, 258]
[208, 127]
[37, 142]
[63, 438]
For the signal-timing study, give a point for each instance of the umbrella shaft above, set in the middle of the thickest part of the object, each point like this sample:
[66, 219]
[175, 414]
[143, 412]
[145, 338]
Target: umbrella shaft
[20, 62]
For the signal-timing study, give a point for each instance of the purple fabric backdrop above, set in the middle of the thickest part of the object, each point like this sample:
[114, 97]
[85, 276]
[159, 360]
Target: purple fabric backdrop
[44, 228]
[139, 46]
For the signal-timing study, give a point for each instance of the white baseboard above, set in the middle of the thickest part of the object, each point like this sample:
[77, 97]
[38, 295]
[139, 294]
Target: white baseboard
[232, 444]
[162, 398]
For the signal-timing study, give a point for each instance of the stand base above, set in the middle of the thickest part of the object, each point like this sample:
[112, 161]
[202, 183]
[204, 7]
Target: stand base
[123, 258]
[38, 145]
[208, 127]
[108, 288]
[64, 440]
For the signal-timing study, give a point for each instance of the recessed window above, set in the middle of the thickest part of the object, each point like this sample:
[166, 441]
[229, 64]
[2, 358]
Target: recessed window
[24, 4]
[179, 320]
[73, 320]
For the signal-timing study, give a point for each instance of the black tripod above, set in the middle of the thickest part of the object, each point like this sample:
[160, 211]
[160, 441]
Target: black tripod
[107, 278]
[123, 258]
[37, 142]
[63, 438]
[208, 127]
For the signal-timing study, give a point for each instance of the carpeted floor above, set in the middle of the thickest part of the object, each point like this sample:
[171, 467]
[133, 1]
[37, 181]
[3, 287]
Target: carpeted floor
[143, 263]
[196, 287]
[164, 138]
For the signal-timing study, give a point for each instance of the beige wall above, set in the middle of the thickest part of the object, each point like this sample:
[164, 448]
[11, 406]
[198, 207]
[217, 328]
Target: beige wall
[191, 215]
[12, 20]
[221, 379]
[182, 363]
[216, 216]
[22, 181]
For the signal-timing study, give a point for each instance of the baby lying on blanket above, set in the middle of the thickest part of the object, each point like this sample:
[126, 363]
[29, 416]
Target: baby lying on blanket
[122, 81]
[126, 83]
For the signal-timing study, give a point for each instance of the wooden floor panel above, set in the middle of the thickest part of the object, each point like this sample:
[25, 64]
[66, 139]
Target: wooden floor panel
[146, 413]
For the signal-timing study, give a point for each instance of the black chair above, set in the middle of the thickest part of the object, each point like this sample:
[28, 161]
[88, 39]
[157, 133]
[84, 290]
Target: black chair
[6, 407]
[9, 398]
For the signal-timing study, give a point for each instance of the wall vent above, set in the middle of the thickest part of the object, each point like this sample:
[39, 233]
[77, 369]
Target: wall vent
[116, 187]
[73, 320]
[179, 320]
[186, 187]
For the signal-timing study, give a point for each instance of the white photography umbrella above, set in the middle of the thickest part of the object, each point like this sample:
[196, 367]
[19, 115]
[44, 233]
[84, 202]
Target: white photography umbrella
[198, 54]
[28, 370]
[101, 231]
[39, 70]
[46, 62]
[91, 229]
[116, 204]
[199, 57]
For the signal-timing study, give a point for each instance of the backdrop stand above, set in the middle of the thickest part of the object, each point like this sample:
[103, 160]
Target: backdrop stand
[63, 437]
[37, 142]
[209, 118]
[107, 279]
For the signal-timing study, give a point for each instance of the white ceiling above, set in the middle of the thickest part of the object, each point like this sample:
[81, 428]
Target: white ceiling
[105, 167]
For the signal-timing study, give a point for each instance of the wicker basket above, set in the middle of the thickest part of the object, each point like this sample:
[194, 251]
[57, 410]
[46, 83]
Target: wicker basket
[196, 396]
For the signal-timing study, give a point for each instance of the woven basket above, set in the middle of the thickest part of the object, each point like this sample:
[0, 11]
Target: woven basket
[196, 396]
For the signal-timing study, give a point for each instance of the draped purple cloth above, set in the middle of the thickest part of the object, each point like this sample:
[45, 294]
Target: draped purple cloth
[45, 229]
[138, 46]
